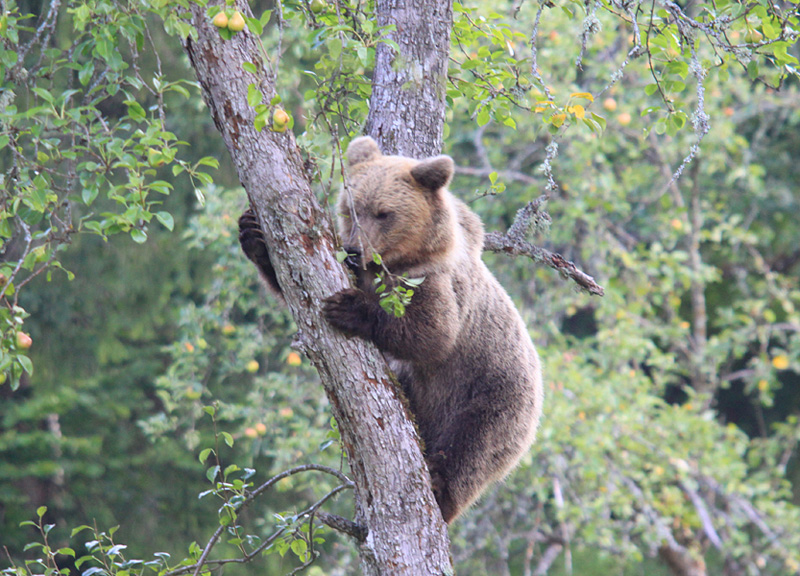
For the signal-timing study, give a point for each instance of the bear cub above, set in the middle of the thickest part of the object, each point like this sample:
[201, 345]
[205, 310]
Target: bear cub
[461, 351]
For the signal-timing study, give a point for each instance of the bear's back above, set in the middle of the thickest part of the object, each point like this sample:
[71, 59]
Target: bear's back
[493, 365]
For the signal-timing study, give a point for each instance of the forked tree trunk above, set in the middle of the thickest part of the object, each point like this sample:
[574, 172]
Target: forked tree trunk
[406, 534]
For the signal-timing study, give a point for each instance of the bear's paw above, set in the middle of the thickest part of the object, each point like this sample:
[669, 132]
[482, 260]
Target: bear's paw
[251, 238]
[348, 312]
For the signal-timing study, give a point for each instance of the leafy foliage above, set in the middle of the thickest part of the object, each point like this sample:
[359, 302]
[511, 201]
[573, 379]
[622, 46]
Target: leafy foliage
[83, 141]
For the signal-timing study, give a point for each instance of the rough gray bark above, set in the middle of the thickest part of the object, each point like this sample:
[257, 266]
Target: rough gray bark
[406, 534]
[407, 106]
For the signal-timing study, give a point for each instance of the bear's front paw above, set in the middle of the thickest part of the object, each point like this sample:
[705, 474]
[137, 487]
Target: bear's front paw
[251, 238]
[348, 312]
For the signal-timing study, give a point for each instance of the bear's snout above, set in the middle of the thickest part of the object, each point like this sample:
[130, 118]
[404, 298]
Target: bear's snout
[353, 260]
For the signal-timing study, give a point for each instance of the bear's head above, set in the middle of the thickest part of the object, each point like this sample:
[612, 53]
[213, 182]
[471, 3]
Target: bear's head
[397, 207]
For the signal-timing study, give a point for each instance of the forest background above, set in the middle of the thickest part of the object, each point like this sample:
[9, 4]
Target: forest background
[669, 443]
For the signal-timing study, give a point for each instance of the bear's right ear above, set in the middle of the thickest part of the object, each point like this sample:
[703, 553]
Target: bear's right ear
[434, 173]
[361, 150]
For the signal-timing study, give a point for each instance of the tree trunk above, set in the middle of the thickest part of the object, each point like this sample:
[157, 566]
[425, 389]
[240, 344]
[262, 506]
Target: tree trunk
[407, 105]
[394, 502]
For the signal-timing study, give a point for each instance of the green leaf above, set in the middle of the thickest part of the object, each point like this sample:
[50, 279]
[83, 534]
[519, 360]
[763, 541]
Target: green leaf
[77, 530]
[41, 511]
[228, 438]
[116, 549]
[334, 48]
[363, 55]
[254, 95]
[89, 193]
[43, 94]
[226, 518]
[261, 121]
[212, 472]
[204, 454]
[483, 117]
[166, 219]
[139, 236]
[208, 161]
[254, 25]
[85, 73]
[752, 69]
[135, 111]
[27, 365]
[299, 547]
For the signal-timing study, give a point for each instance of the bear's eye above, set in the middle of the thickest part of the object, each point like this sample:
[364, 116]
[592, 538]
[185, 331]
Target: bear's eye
[381, 215]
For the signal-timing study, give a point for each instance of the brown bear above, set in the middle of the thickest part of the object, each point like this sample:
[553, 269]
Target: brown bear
[461, 351]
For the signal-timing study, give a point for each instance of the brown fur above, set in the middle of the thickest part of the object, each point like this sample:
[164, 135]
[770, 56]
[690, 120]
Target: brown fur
[461, 351]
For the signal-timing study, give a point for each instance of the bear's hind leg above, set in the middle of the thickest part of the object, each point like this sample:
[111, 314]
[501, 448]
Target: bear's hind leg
[471, 453]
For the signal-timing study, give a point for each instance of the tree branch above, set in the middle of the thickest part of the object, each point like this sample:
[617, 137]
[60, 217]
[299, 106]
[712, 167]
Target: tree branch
[343, 525]
[513, 243]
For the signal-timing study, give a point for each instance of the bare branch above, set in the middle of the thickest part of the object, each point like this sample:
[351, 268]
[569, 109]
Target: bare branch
[496, 242]
[513, 243]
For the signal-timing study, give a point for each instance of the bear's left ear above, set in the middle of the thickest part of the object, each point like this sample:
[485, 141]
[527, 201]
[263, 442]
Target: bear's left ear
[363, 149]
[434, 173]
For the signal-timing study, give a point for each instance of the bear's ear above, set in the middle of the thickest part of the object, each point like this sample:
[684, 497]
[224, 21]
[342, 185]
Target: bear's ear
[434, 173]
[361, 150]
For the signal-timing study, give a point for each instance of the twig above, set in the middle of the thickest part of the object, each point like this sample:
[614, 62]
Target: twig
[46, 27]
[702, 513]
[535, 52]
[511, 175]
[343, 525]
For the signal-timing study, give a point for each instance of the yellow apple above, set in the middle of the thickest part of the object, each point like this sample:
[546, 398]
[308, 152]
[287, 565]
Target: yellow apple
[220, 20]
[280, 120]
[236, 22]
[610, 104]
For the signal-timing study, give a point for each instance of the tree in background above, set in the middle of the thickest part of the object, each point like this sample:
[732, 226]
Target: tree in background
[699, 291]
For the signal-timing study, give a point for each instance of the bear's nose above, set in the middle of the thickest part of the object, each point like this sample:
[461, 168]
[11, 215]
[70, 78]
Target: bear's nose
[353, 260]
